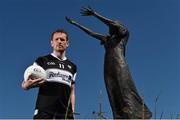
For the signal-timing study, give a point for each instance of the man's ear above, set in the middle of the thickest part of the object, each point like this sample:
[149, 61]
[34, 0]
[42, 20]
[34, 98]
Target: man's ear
[67, 44]
[51, 43]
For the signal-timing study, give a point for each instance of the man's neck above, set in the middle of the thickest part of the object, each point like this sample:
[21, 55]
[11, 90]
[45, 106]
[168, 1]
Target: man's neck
[60, 55]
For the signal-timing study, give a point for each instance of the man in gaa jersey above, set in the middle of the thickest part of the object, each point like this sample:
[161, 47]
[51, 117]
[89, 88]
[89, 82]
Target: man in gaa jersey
[56, 96]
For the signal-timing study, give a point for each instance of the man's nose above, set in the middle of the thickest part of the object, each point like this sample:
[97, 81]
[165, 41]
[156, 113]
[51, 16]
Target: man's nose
[59, 41]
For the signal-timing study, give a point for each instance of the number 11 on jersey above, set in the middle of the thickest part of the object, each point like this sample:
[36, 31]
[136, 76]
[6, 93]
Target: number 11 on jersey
[61, 66]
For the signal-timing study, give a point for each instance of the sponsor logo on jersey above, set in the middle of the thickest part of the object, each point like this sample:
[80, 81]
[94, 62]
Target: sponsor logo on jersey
[62, 76]
[59, 75]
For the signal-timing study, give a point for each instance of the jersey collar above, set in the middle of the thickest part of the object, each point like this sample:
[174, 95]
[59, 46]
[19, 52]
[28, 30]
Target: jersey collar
[64, 58]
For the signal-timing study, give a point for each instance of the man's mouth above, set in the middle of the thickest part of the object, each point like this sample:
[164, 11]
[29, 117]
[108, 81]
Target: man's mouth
[60, 46]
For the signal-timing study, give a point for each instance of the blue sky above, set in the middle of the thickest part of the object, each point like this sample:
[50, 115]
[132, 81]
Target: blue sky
[152, 51]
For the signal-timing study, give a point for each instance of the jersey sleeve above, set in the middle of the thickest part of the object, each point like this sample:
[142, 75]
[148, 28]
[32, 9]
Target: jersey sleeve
[38, 61]
[74, 76]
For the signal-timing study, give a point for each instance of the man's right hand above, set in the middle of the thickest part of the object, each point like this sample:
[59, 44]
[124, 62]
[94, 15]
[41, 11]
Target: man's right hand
[30, 83]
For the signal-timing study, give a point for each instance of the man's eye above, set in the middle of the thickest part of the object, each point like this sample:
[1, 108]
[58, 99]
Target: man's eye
[62, 39]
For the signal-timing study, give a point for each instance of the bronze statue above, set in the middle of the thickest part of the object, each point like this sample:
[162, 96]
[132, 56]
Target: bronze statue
[124, 99]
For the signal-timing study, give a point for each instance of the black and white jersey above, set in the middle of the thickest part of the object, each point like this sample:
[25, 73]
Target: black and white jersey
[62, 71]
[59, 72]
[54, 94]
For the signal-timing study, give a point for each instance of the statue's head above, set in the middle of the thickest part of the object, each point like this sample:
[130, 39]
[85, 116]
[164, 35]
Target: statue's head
[116, 28]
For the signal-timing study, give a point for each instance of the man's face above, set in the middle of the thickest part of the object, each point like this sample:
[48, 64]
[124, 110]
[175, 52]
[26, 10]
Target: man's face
[59, 42]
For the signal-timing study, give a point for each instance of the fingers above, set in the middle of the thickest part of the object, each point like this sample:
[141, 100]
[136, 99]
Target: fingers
[86, 11]
[35, 81]
[86, 8]
[32, 78]
[38, 80]
[70, 20]
[41, 82]
[83, 9]
[29, 77]
[67, 18]
[83, 13]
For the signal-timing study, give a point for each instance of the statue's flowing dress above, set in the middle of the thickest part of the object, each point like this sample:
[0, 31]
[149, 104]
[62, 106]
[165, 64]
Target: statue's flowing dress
[124, 99]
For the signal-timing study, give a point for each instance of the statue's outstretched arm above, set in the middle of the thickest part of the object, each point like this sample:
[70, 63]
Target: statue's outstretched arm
[100, 37]
[88, 11]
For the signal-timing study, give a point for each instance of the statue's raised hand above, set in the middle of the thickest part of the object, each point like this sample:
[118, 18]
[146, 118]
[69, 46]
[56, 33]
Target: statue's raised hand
[87, 11]
[70, 20]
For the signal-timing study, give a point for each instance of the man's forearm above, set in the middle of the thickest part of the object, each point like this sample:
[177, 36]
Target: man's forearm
[73, 102]
[72, 97]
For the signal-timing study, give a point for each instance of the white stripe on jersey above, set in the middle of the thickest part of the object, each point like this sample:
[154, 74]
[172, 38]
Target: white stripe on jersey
[74, 77]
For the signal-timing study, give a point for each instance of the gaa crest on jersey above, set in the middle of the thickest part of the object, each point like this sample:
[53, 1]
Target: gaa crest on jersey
[51, 63]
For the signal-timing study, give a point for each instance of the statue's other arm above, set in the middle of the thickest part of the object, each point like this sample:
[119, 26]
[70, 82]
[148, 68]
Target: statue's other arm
[100, 37]
[90, 12]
